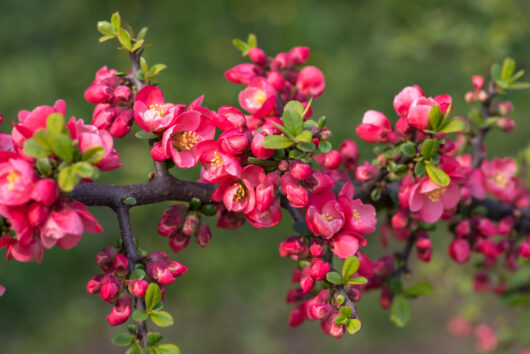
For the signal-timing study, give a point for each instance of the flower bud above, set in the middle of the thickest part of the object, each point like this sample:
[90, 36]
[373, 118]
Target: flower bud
[276, 80]
[234, 141]
[459, 250]
[292, 246]
[365, 172]
[203, 235]
[525, 248]
[105, 256]
[172, 219]
[469, 97]
[349, 154]
[298, 55]
[299, 170]
[191, 225]
[99, 94]
[459, 326]
[121, 264]
[331, 160]
[310, 82]
[504, 108]
[243, 73]
[306, 280]
[505, 225]
[123, 93]
[104, 115]
[353, 293]
[318, 269]
[257, 147]
[297, 316]
[482, 96]
[506, 124]
[423, 245]
[293, 295]
[176, 268]
[316, 248]
[279, 62]
[138, 287]
[178, 241]
[45, 191]
[110, 290]
[36, 214]
[121, 311]
[161, 275]
[319, 183]
[258, 56]
[463, 228]
[478, 82]
[385, 300]
[329, 326]
[122, 124]
[94, 285]
[400, 219]
[482, 282]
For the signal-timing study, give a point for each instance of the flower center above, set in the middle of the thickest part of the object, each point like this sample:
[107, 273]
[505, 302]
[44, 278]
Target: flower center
[357, 216]
[326, 216]
[240, 193]
[217, 161]
[434, 196]
[260, 97]
[12, 177]
[160, 109]
[185, 141]
[501, 179]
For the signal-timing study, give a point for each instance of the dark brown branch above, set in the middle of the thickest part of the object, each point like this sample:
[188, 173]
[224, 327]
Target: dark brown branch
[477, 141]
[124, 220]
[403, 257]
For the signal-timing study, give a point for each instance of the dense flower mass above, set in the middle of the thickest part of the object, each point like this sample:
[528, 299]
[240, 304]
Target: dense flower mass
[259, 162]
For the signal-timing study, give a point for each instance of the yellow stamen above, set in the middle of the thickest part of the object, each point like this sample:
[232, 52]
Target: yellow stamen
[326, 216]
[357, 216]
[217, 161]
[185, 141]
[12, 177]
[260, 97]
[160, 109]
[434, 196]
[240, 193]
[501, 179]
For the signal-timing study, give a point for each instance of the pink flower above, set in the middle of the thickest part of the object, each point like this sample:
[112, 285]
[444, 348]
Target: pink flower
[138, 287]
[17, 179]
[257, 147]
[405, 97]
[217, 164]
[365, 172]
[349, 154]
[429, 199]
[298, 55]
[152, 113]
[330, 160]
[65, 225]
[418, 114]
[344, 245]
[459, 250]
[239, 194]
[121, 311]
[359, 218]
[32, 121]
[243, 73]
[296, 193]
[88, 136]
[375, 128]
[325, 216]
[499, 175]
[329, 326]
[181, 140]
[258, 56]
[259, 98]
[310, 82]
[172, 219]
[486, 338]
[266, 218]
[228, 118]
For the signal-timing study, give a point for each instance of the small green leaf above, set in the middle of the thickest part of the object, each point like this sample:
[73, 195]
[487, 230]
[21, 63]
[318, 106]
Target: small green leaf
[115, 20]
[322, 122]
[152, 296]
[142, 33]
[340, 299]
[129, 201]
[476, 116]
[242, 46]
[142, 134]
[438, 176]
[137, 274]
[67, 179]
[122, 339]
[496, 72]
[453, 126]
[357, 280]
[44, 166]
[131, 350]
[396, 286]
[168, 349]
[31, 148]
[140, 316]
[508, 68]
[283, 129]
[419, 289]
[435, 117]
[85, 170]
[307, 147]
[375, 194]
[276, 142]
[334, 278]
[305, 136]
[324, 147]
[350, 266]
[106, 28]
[520, 86]
[137, 45]
[296, 154]
[156, 69]
[419, 169]
[308, 124]
[124, 38]
[400, 311]
[93, 155]
[63, 148]
[353, 326]
[294, 106]
[131, 329]
[143, 65]
[408, 149]
[293, 122]
[153, 338]
[42, 138]
[341, 320]
[105, 38]
[429, 148]
[55, 124]
[252, 40]
[345, 311]
[161, 318]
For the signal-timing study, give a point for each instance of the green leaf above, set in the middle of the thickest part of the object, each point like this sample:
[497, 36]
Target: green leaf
[520, 86]
[408, 149]
[140, 316]
[435, 117]
[93, 155]
[350, 266]
[242, 46]
[129, 201]
[296, 154]
[44, 166]
[143, 65]
[55, 124]
[31, 148]
[105, 38]
[42, 138]
[345, 311]
[137, 274]
[340, 299]
[152, 296]
[438, 176]
[395, 286]
[131, 350]
[67, 179]
[156, 69]
[419, 169]
[85, 170]
[260, 162]
[63, 148]
[137, 45]
[293, 122]
[294, 106]
[508, 68]
[419, 289]
[276, 142]
[168, 349]
[334, 278]
[122, 339]
[341, 320]
[142, 33]
[142, 134]
[353, 326]
[453, 126]
[308, 124]
[400, 311]
[106, 28]
[429, 148]
[161, 318]
[283, 129]
[125, 38]
[324, 147]
[322, 122]
[496, 72]
[357, 280]
[305, 136]
[476, 116]
[115, 19]
[307, 147]
[252, 40]
[153, 338]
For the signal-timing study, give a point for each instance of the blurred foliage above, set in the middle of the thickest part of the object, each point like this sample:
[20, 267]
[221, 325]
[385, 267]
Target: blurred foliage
[232, 299]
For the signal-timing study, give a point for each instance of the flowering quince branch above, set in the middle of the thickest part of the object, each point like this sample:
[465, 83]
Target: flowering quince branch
[269, 156]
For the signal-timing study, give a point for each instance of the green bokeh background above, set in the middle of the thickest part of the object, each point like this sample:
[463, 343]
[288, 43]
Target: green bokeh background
[232, 298]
